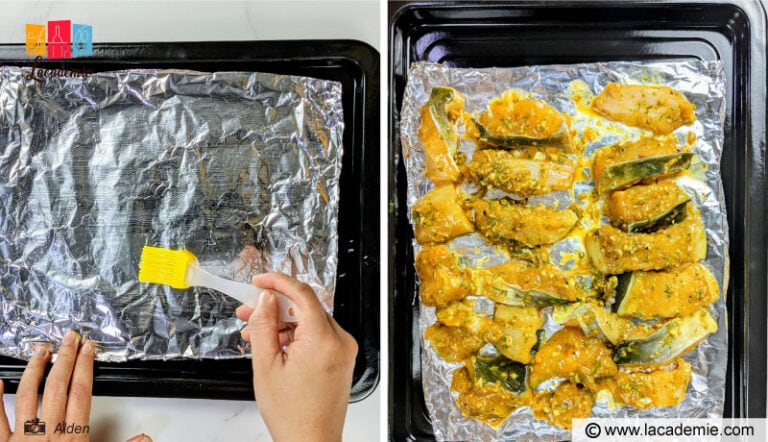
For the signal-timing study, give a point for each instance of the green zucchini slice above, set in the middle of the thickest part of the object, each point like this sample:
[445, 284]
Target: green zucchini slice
[668, 294]
[438, 110]
[673, 339]
[593, 320]
[622, 165]
[512, 141]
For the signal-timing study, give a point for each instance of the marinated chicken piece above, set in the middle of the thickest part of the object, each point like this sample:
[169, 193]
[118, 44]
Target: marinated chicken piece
[438, 216]
[518, 327]
[512, 330]
[571, 355]
[514, 122]
[453, 344]
[441, 279]
[484, 402]
[501, 169]
[621, 165]
[439, 119]
[660, 109]
[668, 294]
[558, 407]
[613, 251]
[532, 226]
[646, 207]
[658, 388]
[523, 284]
[465, 314]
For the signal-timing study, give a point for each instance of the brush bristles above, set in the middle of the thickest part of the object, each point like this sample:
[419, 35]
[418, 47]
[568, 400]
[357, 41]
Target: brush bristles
[164, 266]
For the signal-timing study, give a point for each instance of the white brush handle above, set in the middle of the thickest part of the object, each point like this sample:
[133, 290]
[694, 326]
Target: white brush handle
[245, 293]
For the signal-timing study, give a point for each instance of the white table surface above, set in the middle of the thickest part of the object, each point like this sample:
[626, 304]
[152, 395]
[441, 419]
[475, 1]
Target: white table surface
[116, 418]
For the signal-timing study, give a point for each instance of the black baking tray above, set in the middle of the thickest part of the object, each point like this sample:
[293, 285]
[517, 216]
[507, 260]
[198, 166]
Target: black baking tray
[473, 34]
[356, 305]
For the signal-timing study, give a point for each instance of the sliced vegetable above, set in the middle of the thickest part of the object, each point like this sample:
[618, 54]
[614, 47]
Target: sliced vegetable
[571, 355]
[668, 294]
[660, 109]
[613, 251]
[438, 133]
[523, 284]
[510, 140]
[532, 226]
[441, 279]
[501, 169]
[501, 371]
[672, 340]
[644, 208]
[438, 216]
[518, 326]
[624, 164]
[664, 387]
[595, 321]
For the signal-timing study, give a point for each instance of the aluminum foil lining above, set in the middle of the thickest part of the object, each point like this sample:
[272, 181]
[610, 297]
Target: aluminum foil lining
[240, 168]
[703, 83]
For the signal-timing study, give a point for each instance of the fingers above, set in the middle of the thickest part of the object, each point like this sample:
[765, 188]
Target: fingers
[57, 384]
[140, 438]
[5, 428]
[26, 394]
[264, 327]
[285, 336]
[301, 294]
[81, 388]
[244, 312]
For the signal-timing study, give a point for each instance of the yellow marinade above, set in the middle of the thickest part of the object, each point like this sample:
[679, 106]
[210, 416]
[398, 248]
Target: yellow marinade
[667, 294]
[532, 226]
[644, 206]
[613, 251]
[501, 169]
[626, 163]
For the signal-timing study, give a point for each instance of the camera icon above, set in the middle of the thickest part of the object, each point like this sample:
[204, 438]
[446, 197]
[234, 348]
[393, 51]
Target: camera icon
[34, 427]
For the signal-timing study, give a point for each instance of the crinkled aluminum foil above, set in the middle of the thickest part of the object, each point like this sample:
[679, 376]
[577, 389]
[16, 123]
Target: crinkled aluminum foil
[240, 168]
[703, 83]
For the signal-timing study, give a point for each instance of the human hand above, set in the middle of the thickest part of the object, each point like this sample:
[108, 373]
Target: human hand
[302, 373]
[66, 405]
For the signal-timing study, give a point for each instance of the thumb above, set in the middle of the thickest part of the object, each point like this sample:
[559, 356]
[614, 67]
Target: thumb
[140, 438]
[264, 331]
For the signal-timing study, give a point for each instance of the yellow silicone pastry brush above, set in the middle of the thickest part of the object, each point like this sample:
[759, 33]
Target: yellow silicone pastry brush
[180, 269]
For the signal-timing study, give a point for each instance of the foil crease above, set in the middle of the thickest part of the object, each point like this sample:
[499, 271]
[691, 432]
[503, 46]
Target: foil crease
[240, 168]
[703, 83]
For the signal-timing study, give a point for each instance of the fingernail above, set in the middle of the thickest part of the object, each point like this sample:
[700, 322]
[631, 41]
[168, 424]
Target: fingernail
[88, 349]
[70, 338]
[140, 438]
[267, 297]
[41, 351]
